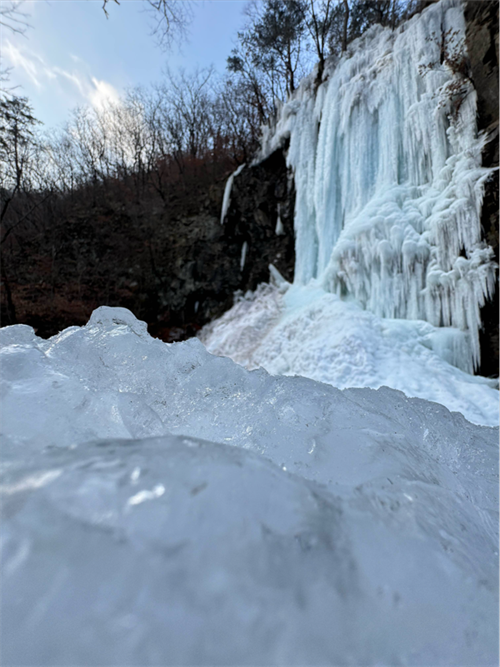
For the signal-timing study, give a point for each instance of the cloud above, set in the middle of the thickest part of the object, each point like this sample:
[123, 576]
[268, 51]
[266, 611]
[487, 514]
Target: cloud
[82, 88]
[102, 93]
[76, 79]
[32, 66]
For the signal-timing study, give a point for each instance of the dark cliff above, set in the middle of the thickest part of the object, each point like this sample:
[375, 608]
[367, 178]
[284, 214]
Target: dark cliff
[201, 260]
[482, 45]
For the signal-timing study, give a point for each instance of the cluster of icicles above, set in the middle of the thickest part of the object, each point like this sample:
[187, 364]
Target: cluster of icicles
[389, 184]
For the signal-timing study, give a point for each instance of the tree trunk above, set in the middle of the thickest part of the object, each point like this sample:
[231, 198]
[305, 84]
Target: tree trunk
[321, 69]
[346, 22]
[11, 310]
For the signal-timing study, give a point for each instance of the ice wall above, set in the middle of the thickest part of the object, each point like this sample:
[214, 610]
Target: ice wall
[388, 177]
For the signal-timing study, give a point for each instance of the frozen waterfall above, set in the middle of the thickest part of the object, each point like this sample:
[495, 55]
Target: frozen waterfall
[391, 271]
[388, 177]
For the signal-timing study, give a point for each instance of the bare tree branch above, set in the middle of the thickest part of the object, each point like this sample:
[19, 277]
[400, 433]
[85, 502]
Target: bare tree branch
[105, 2]
[12, 18]
[171, 19]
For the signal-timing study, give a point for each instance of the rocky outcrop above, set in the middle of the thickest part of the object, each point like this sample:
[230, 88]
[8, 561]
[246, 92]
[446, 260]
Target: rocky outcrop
[203, 262]
[260, 214]
[482, 45]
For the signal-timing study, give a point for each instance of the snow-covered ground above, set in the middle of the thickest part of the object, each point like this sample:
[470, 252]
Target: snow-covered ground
[303, 330]
[165, 506]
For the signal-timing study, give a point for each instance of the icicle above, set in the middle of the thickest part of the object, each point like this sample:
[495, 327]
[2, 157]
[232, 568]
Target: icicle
[244, 249]
[280, 230]
[276, 279]
[226, 200]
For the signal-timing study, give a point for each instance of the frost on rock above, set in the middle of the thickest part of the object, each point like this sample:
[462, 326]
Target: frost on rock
[162, 506]
[388, 178]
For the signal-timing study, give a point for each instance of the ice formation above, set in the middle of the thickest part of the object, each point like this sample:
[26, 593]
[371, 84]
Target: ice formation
[280, 230]
[162, 506]
[226, 200]
[304, 330]
[390, 268]
[388, 177]
[243, 256]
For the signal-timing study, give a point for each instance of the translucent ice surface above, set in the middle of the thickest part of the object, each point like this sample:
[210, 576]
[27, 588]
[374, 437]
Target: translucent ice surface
[163, 506]
[226, 201]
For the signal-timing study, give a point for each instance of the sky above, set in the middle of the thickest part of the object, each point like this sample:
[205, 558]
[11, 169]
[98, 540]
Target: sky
[72, 55]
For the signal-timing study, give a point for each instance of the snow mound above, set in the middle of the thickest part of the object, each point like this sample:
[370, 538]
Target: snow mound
[165, 506]
[303, 330]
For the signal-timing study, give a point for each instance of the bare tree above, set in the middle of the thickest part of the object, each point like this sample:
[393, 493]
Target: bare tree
[272, 42]
[259, 88]
[188, 117]
[16, 21]
[12, 18]
[18, 146]
[319, 18]
[239, 115]
[171, 19]
[365, 13]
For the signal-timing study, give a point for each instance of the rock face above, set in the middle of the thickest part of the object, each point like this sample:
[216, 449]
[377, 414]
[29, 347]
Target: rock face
[260, 214]
[203, 263]
[196, 270]
[206, 262]
[482, 44]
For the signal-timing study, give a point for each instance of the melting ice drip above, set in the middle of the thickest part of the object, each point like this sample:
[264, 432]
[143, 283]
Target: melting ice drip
[388, 177]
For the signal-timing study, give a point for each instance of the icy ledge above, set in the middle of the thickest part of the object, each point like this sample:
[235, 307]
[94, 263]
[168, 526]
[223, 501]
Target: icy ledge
[316, 527]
